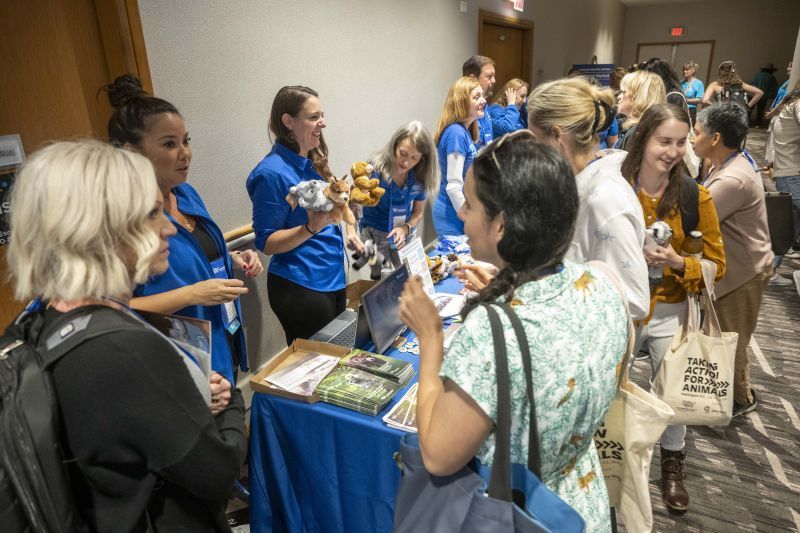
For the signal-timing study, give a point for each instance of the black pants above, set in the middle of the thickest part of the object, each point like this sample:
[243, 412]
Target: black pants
[301, 311]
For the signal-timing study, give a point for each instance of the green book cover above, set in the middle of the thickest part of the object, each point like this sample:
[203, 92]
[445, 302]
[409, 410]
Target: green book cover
[355, 389]
[384, 366]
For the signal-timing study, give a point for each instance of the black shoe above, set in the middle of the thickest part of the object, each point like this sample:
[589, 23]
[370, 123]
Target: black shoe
[742, 409]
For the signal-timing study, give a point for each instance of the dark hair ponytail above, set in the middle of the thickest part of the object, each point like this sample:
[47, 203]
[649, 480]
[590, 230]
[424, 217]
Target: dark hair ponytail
[132, 108]
[538, 197]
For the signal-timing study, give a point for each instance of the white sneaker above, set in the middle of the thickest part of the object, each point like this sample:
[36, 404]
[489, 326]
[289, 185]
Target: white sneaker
[796, 276]
[779, 281]
[793, 253]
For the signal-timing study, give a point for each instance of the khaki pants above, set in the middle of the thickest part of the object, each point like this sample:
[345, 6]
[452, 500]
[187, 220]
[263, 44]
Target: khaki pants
[738, 311]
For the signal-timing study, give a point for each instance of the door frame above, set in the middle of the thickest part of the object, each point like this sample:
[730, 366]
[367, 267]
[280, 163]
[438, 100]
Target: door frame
[511, 22]
[673, 43]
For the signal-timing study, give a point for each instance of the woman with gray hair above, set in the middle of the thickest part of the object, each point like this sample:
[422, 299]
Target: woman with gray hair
[738, 194]
[141, 445]
[407, 169]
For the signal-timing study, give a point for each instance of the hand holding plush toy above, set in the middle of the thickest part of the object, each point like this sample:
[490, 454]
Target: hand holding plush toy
[330, 196]
[365, 189]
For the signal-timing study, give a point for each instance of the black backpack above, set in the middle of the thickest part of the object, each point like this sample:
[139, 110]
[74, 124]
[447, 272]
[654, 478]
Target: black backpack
[35, 491]
[733, 92]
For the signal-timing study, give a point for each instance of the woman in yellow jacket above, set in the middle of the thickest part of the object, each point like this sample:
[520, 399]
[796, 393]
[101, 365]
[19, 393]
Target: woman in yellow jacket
[654, 166]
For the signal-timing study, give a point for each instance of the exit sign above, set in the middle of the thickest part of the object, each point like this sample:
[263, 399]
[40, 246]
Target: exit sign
[677, 31]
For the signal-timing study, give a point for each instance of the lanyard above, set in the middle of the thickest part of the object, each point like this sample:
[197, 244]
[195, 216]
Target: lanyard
[730, 158]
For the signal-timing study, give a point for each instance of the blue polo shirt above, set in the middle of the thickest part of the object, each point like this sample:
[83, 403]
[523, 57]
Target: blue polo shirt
[505, 119]
[455, 139]
[188, 265]
[485, 135]
[318, 263]
[612, 130]
[396, 202]
[693, 90]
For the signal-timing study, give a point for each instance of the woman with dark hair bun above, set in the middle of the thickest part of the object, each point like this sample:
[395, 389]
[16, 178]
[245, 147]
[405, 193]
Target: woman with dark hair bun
[519, 214]
[200, 280]
[306, 278]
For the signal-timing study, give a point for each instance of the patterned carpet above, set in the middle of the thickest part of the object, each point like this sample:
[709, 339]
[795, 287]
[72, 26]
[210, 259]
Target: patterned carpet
[746, 477]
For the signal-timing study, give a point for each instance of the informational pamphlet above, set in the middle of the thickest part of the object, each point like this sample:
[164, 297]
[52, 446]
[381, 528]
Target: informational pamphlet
[384, 366]
[448, 304]
[192, 335]
[403, 415]
[413, 255]
[355, 389]
[303, 376]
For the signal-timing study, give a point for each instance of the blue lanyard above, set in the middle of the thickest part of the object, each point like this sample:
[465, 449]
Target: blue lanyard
[731, 157]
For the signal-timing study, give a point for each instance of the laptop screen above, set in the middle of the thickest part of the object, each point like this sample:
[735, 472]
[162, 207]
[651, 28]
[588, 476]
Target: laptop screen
[382, 309]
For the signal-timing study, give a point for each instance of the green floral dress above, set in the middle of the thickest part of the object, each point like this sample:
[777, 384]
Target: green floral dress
[576, 326]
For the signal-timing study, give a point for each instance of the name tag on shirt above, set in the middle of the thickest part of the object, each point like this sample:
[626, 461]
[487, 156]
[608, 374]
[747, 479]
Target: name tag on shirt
[230, 317]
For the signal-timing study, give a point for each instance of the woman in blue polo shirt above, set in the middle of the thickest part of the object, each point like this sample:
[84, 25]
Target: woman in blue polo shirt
[199, 282]
[407, 169]
[455, 141]
[306, 278]
[507, 109]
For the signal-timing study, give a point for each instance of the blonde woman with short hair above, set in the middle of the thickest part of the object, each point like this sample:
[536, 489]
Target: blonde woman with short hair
[508, 108]
[638, 91]
[142, 447]
[568, 114]
[455, 138]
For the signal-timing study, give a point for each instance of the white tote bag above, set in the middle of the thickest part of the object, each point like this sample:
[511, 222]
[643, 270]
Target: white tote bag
[696, 375]
[634, 423]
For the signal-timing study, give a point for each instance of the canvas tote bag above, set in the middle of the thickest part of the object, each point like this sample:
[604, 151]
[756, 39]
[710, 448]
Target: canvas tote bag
[696, 375]
[634, 423]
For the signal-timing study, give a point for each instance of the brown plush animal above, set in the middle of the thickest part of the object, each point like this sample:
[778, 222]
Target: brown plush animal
[365, 189]
[338, 191]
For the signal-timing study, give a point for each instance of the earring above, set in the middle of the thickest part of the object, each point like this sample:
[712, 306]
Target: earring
[291, 136]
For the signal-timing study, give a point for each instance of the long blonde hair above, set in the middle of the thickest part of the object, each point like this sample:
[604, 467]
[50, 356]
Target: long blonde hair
[645, 89]
[513, 83]
[456, 106]
[576, 106]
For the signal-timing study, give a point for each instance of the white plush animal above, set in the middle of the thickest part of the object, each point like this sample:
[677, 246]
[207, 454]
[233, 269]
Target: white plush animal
[310, 195]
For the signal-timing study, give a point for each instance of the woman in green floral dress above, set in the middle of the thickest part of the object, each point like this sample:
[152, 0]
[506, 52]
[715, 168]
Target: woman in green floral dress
[521, 204]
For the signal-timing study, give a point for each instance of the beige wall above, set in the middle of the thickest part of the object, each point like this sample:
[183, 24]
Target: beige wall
[375, 63]
[750, 32]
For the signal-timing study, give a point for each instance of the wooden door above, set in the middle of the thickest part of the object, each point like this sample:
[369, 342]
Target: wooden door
[56, 55]
[509, 42]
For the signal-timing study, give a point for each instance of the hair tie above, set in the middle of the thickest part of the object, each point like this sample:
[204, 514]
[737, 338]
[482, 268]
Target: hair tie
[596, 115]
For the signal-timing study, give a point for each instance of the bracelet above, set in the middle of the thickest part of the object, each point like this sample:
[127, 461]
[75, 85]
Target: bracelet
[308, 229]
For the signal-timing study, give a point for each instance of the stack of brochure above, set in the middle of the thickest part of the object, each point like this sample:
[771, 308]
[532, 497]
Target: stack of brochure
[303, 376]
[355, 389]
[403, 415]
[383, 366]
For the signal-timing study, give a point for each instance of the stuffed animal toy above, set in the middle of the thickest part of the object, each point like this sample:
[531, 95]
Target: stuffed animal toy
[372, 257]
[365, 189]
[331, 196]
[442, 266]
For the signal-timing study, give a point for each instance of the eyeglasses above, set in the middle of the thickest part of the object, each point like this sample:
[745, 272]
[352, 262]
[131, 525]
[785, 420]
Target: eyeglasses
[493, 146]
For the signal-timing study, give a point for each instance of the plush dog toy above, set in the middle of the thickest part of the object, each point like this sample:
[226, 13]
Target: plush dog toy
[331, 196]
[442, 266]
[365, 189]
[372, 257]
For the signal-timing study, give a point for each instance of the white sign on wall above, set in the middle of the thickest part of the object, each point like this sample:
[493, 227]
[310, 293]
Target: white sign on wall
[11, 152]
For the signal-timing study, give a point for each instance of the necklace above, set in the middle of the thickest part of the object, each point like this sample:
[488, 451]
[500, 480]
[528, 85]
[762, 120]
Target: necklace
[177, 215]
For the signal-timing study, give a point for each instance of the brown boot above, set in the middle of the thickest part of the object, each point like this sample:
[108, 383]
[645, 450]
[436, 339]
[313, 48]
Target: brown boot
[675, 495]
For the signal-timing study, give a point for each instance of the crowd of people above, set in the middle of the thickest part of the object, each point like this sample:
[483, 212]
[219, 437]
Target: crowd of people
[519, 176]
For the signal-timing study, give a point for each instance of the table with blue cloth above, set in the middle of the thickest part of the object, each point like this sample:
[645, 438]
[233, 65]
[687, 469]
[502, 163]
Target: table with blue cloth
[319, 467]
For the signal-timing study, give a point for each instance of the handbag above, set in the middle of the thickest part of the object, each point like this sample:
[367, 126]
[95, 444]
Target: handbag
[459, 502]
[695, 377]
[634, 423]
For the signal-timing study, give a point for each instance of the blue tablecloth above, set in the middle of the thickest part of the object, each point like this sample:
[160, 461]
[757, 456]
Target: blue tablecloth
[322, 468]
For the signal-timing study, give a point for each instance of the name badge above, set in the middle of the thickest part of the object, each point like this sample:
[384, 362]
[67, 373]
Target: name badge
[230, 317]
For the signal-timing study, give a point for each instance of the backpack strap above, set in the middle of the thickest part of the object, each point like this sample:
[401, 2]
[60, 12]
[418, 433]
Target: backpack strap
[68, 332]
[690, 210]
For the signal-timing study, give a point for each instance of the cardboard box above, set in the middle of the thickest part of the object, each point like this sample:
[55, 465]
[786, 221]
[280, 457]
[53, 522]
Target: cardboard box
[298, 349]
[356, 290]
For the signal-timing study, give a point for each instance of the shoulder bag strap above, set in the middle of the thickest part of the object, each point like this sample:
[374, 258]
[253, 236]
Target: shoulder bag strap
[499, 483]
[534, 459]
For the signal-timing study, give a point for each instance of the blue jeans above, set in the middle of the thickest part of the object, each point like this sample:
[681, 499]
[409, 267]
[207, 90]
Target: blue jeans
[791, 184]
